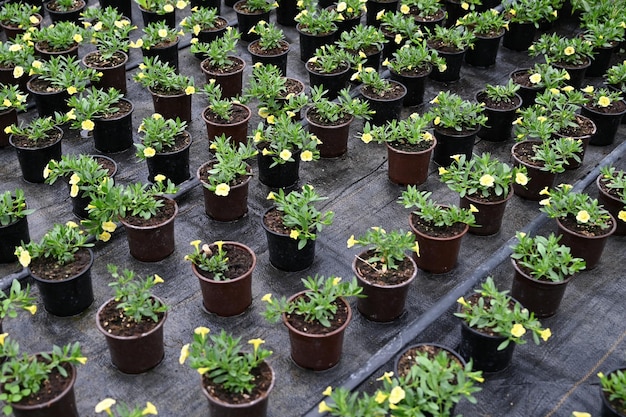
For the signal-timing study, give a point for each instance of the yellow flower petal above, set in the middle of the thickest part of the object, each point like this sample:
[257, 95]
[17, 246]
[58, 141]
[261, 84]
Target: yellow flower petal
[105, 405]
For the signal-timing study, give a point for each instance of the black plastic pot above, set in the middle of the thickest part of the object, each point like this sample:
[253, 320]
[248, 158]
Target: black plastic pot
[280, 176]
[606, 125]
[167, 54]
[333, 83]
[454, 62]
[115, 134]
[278, 60]
[600, 62]
[69, 16]
[284, 253]
[122, 6]
[286, 11]
[499, 122]
[173, 165]
[47, 103]
[152, 17]
[385, 109]
[375, 6]
[309, 43]
[415, 86]
[519, 36]
[453, 143]
[246, 21]
[484, 52]
[482, 349]
[215, 4]
[33, 160]
[12, 235]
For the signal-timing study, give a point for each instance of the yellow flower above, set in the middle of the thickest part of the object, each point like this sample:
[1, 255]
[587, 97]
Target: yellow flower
[512, 12]
[437, 120]
[158, 279]
[518, 330]
[294, 234]
[82, 360]
[545, 334]
[267, 298]
[385, 377]
[487, 180]
[162, 33]
[461, 300]
[150, 409]
[352, 241]
[583, 216]
[32, 309]
[104, 236]
[149, 152]
[87, 125]
[416, 248]
[256, 343]
[97, 26]
[285, 154]
[306, 156]
[473, 209]
[381, 397]
[190, 90]
[74, 179]
[435, 100]
[74, 190]
[604, 101]
[443, 170]
[109, 226]
[184, 354]
[71, 90]
[588, 89]
[380, 14]
[168, 8]
[180, 4]
[328, 391]
[222, 189]
[569, 51]
[404, 9]
[341, 6]
[105, 405]
[323, 407]
[34, 20]
[535, 78]
[396, 395]
[24, 258]
[6, 102]
[622, 215]
[521, 178]
[271, 196]
[366, 137]
[271, 119]
[202, 331]
[580, 414]
[159, 178]
[567, 88]
[456, 157]
[555, 91]
[2, 337]
[544, 191]
[202, 371]
[18, 71]
[465, 6]
[136, 44]
[77, 38]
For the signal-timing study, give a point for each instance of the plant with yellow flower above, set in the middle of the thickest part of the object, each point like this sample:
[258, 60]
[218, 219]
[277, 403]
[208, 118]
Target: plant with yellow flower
[422, 10]
[433, 214]
[203, 19]
[12, 98]
[562, 51]
[414, 59]
[95, 104]
[13, 207]
[451, 112]
[613, 386]
[161, 7]
[603, 99]
[124, 410]
[161, 135]
[385, 250]
[615, 76]
[314, 21]
[18, 54]
[23, 376]
[364, 41]
[17, 298]
[229, 372]
[212, 259]
[351, 9]
[494, 312]
[345, 403]
[400, 28]
[612, 194]
[60, 37]
[324, 112]
[110, 32]
[20, 16]
[161, 78]
[529, 11]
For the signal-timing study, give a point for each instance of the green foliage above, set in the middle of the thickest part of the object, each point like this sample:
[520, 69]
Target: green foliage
[201, 18]
[502, 93]
[210, 260]
[61, 36]
[161, 77]
[552, 156]
[260, 5]
[230, 164]
[17, 298]
[614, 384]
[546, 76]
[299, 213]
[219, 51]
[315, 21]
[561, 202]
[330, 58]
[452, 112]
[433, 213]
[124, 410]
[332, 111]
[389, 249]
[614, 180]
[414, 57]
[18, 54]
[453, 37]
[601, 97]
[283, 138]
[270, 35]
[545, 258]
[161, 6]
[402, 25]
[412, 130]
[318, 302]
[370, 78]
[497, 312]
[484, 23]
[134, 296]
[38, 128]
[13, 207]
[83, 172]
[156, 34]
[561, 50]
[529, 11]
[96, 103]
[19, 14]
[110, 31]
[159, 135]
[423, 8]
[604, 34]
[361, 38]
[561, 107]
[65, 73]
[268, 85]
[222, 108]
[346, 404]
[350, 9]
[616, 75]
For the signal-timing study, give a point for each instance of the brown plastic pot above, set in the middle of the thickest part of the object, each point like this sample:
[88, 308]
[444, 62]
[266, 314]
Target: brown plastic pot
[613, 205]
[334, 138]
[489, 215]
[408, 168]
[237, 132]
[589, 248]
[113, 76]
[231, 82]
[538, 179]
[172, 106]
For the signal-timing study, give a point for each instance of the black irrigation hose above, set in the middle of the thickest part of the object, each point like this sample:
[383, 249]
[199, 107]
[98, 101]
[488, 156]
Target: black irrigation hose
[409, 333]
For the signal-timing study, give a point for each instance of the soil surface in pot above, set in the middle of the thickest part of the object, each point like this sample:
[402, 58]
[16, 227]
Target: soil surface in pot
[164, 44]
[583, 127]
[180, 142]
[239, 262]
[473, 300]
[256, 48]
[415, 72]
[43, 86]
[123, 107]
[235, 65]
[442, 46]
[525, 151]
[615, 192]
[523, 78]
[24, 142]
[163, 214]
[615, 107]
[506, 104]
[415, 11]
[262, 376]
[238, 114]
[47, 268]
[47, 47]
[54, 6]
[314, 116]
[243, 8]
[217, 25]
[395, 92]
[292, 86]
[204, 175]
[373, 273]
[115, 322]
[584, 229]
[489, 199]
[407, 360]
[435, 231]
[315, 327]
[411, 147]
[105, 164]
[273, 219]
[313, 67]
[96, 60]
[50, 388]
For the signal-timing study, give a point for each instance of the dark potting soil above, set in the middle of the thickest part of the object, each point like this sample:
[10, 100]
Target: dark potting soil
[237, 115]
[43, 86]
[490, 34]
[24, 142]
[273, 219]
[312, 66]
[584, 229]
[292, 86]
[50, 388]
[239, 262]
[244, 9]
[410, 147]
[572, 66]
[617, 404]
[76, 4]
[123, 107]
[115, 322]
[106, 164]
[615, 192]
[256, 48]
[407, 360]
[314, 327]
[314, 116]
[48, 269]
[615, 107]
[525, 151]
[262, 377]
[180, 142]
[523, 78]
[368, 50]
[416, 72]
[47, 47]
[165, 43]
[527, 271]
[505, 104]
[395, 92]
[415, 12]
[204, 173]
[373, 273]
[435, 231]
[492, 197]
[217, 25]
[163, 214]
[583, 127]
[235, 65]
[441, 46]
[96, 60]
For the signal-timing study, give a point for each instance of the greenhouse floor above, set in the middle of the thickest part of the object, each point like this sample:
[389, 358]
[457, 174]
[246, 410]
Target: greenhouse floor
[552, 379]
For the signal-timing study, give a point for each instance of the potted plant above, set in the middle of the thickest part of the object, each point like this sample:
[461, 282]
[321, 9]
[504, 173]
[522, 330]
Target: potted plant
[524, 17]
[457, 122]
[501, 103]
[584, 224]
[385, 97]
[377, 8]
[536, 79]
[316, 27]
[160, 11]
[225, 179]
[485, 183]
[110, 33]
[16, 18]
[11, 100]
[611, 185]
[36, 143]
[316, 319]
[225, 116]
[604, 35]
[55, 81]
[492, 323]
[23, 377]
[16, 298]
[83, 173]
[62, 38]
[107, 115]
[124, 410]
[615, 77]
[451, 44]
[165, 147]
[329, 67]
[409, 147]
[13, 224]
[351, 12]
[232, 379]
[572, 54]
[427, 13]
[145, 212]
[438, 230]
[60, 263]
[221, 64]
[251, 12]
[171, 92]
[488, 28]
[132, 322]
[612, 392]
[543, 268]
[15, 59]
[204, 24]
[366, 42]
[159, 40]
[224, 270]
[399, 29]
[282, 145]
[271, 47]
[343, 402]
[385, 272]
[291, 226]
[606, 109]
[410, 65]
[330, 120]
[456, 9]
[65, 10]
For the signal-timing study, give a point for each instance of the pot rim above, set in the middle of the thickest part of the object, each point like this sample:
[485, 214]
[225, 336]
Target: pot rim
[39, 147]
[402, 284]
[539, 281]
[78, 274]
[458, 236]
[430, 69]
[283, 42]
[242, 405]
[267, 229]
[604, 193]
[248, 177]
[246, 120]
[239, 278]
[232, 58]
[362, 88]
[411, 152]
[601, 114]
[437, 345]
[112, 119]
[171, 219]
[509, 195]
[47, 404]
[598, 237]
[339, 126]
[323, 74]
[339, 329]
[517, 96]
[96, 52]
[102, 330]
[179, 150]
[320, 35]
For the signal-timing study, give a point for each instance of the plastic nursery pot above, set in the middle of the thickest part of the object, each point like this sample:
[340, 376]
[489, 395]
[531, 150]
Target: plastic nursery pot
[149, 16]
[283, 250]
[538, 179]
[112, 76]
[114, 134]
[166, 54]
[454, 62]
[137, 353]
[610, 409]
[65, 16]
[33, 160]
[284, 175]
[279, 60]
[225, 208]
[611, 203]
[11, 236]
[489, 215]
[519, 36]
[173, 165]
[408, 167]
[230, 297]
[482, 349]
[450, 142]
[47, 102]
[67, 297]
[527, 92]
[584, 246]
[606, 124]
[7, 118]
[236, 131]
[247, 20]
[309, 43]
[406, 358]
[172, 106]
[499, 121]
[334, 137]
[386, 109]
[376, 6]
[231, 82]
[45, 54]
[415, 86]
[485, 51]
[333, 82]
[317, 352]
